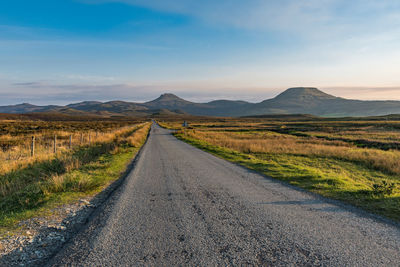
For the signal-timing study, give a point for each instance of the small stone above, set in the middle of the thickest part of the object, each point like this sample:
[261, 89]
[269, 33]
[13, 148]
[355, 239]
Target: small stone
[84, 201]
[28, 232]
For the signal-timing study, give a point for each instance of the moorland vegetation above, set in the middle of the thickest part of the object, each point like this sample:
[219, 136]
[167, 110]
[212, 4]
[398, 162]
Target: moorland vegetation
[89, 155]
[355, 161]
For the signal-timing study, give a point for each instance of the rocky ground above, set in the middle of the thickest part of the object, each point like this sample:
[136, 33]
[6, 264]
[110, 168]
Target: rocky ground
[39, 238]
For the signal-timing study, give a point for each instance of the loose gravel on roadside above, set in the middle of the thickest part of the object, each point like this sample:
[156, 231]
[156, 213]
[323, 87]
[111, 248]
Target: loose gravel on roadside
[39, 238]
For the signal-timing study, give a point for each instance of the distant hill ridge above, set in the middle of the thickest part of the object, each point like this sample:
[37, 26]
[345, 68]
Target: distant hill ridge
[298, 100]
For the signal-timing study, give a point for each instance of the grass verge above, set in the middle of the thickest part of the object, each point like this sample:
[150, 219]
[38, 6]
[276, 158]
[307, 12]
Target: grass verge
[334, 178]
[39, 187]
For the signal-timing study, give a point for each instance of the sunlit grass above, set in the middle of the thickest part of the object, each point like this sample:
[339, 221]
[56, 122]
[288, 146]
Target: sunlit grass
[18, 155]
[265, 142]
[332, 168]
[37, 187]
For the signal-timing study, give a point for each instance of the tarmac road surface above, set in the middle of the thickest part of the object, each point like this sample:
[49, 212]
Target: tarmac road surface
[182, 206]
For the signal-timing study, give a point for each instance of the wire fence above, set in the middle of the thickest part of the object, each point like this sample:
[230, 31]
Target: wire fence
[24, 149]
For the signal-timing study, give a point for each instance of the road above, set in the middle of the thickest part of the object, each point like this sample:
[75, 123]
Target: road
[182, 206]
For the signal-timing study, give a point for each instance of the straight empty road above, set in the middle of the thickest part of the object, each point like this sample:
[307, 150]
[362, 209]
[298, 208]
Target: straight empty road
[182, 206]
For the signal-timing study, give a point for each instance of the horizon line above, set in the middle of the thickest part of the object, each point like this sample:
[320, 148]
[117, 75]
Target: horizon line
[214, 99]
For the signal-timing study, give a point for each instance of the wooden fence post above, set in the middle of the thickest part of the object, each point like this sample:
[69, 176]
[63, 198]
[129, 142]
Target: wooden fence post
[81, 138]
[89, 139]
[70, 141]
[55, 144]
[33, 146]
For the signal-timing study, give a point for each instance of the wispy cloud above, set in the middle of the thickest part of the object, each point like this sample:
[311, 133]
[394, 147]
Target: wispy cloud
[291, 15]
[29, 84]
[95, 78]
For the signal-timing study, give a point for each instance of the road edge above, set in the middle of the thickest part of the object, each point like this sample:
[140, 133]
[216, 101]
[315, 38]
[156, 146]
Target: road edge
[351, 208]
[59, 235]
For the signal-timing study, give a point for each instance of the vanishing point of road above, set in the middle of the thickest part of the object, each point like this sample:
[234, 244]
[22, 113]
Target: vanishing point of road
[181, 206]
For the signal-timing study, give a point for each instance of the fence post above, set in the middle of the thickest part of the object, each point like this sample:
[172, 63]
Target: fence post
[81, 138]
[55, 144]
[33, 146]
[89, 139]
[70, 141]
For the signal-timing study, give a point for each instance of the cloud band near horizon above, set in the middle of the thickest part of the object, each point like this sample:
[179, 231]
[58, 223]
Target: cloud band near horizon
[56, 94]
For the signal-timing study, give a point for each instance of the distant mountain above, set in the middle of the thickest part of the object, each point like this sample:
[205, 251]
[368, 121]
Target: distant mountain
[169, 101]
[173, 102]
[25, 108]
[308, 100]
[110, 108]
[299, 100]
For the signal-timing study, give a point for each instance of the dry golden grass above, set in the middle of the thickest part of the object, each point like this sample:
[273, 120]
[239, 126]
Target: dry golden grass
[136, 134]
[19, 155]
[139, 136]
[368, 135]
[333, 158]
[268, 142]
[67, 175]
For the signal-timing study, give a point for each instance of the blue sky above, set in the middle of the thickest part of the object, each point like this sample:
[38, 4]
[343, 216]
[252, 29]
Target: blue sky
[68, 51]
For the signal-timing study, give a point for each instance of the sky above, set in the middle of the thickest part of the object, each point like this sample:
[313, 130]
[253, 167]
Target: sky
[64, 51]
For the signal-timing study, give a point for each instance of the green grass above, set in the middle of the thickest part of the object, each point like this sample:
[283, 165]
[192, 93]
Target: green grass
[40, 196]
[334, 178]
[42, 186]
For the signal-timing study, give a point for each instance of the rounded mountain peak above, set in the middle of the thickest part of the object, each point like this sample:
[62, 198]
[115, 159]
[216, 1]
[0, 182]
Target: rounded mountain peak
[301, 92]
[168, 96]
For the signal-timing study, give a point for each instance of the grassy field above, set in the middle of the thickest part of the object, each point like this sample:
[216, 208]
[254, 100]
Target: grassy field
[345, 160]
[16, 139]
[32, 186]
